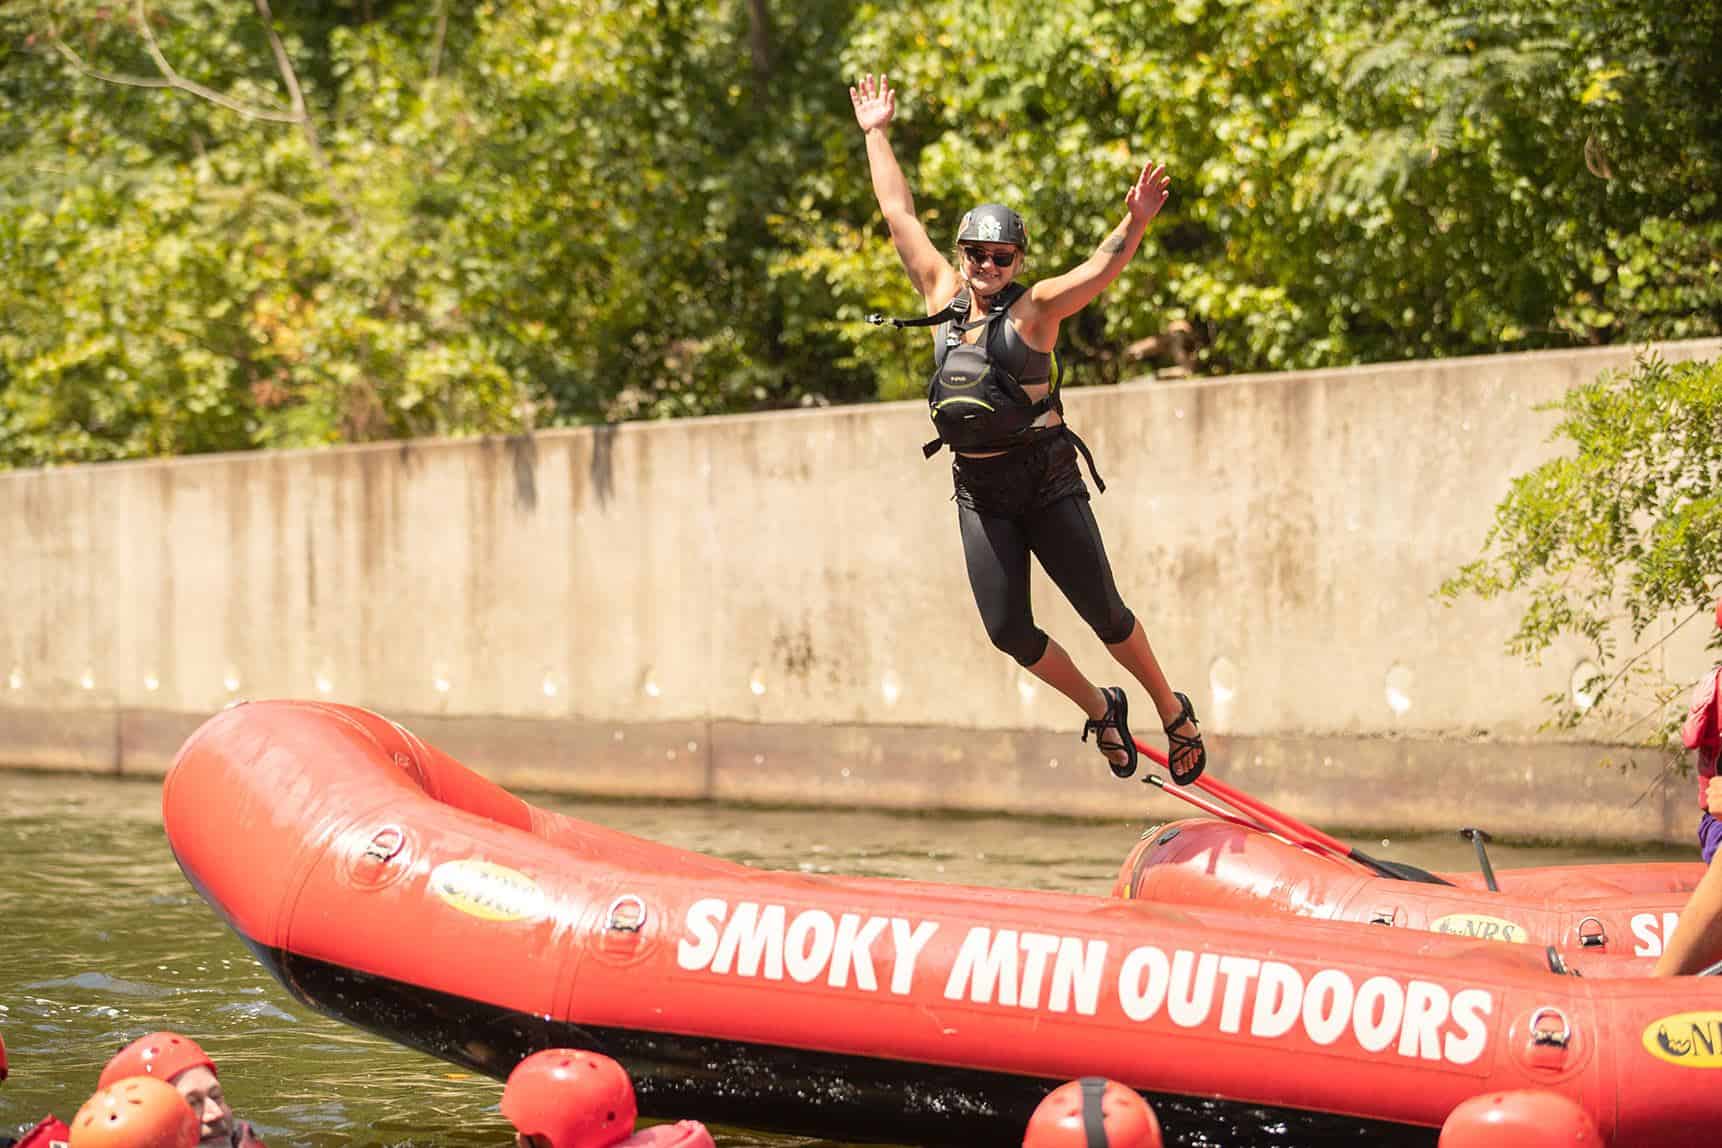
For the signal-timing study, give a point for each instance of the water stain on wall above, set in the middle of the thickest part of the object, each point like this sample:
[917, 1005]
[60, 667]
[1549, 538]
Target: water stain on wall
[523, 452]
[793, 651]
[603, 470]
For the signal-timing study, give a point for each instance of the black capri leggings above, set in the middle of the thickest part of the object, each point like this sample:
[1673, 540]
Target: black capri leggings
[1032, 500]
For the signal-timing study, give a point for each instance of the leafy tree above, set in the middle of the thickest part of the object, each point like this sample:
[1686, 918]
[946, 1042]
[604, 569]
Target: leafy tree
[1623, 529]
[200, 270]
[284, 223]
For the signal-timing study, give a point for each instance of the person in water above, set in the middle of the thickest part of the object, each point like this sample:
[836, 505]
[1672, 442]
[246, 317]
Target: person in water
[1523, 1118]
[1093, 1113]
[136, 1112]
[574, 1098]
[131, 1119]
[994, 394]
[179, 1061]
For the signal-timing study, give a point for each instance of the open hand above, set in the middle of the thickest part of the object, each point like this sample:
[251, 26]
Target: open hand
[875, 104]
[1145, 199]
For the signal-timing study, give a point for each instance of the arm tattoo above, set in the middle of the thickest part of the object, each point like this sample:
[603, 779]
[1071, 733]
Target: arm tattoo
[1112, 245]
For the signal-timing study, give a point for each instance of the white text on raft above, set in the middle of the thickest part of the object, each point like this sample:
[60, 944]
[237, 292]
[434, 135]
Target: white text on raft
[1054, 973]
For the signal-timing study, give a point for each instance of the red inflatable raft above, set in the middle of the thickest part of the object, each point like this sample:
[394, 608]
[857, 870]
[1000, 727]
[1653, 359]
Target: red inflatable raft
[391, 887]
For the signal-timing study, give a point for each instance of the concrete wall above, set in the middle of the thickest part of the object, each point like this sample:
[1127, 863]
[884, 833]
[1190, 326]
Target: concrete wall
[775, 608]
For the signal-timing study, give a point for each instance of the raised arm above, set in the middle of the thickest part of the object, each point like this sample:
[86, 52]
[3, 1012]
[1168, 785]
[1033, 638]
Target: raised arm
[1064, 295]
[929, 271]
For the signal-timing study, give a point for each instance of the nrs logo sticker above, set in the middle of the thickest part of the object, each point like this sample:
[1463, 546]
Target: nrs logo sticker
[487, 890]
[1477, 925]
[1689, 1039]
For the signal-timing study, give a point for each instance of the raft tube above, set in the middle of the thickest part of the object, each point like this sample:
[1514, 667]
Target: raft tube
[1608, 910]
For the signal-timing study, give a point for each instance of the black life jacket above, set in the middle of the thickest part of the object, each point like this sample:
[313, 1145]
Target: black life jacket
[976, 404]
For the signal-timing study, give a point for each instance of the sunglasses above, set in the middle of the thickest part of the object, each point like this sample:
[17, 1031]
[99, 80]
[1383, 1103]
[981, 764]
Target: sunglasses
[979, 256]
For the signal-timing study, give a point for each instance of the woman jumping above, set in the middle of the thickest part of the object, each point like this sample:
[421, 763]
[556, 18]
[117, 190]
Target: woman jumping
[995, 402]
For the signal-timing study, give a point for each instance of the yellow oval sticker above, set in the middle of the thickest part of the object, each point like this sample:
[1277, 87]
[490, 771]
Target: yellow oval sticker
[486, 890]
[1689, 1039]
[1477, 925]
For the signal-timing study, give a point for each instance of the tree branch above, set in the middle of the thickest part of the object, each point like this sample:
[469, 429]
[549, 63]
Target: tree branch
[291, 79]
[1660, 708]
[77, 62]
[1660, 781]
[175, 80]
[759, 39]
[437, 40]
[1652, 648]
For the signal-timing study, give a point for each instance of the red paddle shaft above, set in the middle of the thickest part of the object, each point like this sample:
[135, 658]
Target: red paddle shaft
[1202, 803]
[1269, 818]
[1244, 801]
[1272, 819]
[1283, 824]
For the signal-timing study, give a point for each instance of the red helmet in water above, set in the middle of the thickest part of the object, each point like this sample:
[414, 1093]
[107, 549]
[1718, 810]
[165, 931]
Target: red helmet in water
[1093, 1113]
[163, 1055]
[1527, 1119]
[577, 1099]
[138, 1112]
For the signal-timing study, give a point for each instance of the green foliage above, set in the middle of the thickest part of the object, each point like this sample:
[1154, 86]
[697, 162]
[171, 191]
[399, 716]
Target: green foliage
[496, 216]
[194, 279]
[1624, 528]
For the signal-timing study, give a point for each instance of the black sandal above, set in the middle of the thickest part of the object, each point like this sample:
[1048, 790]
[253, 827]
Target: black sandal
[1182, 743]
[1117, 714]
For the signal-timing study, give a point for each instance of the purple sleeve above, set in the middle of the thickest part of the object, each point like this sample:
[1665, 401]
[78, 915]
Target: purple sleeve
[1709, 837]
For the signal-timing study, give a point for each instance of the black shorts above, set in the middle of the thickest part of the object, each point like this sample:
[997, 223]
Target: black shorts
[1032, 501]
[1022, 479]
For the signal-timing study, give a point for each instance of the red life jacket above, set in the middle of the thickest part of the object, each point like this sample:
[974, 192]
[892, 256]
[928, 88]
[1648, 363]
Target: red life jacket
[682, 1134]
[1703, 730]
[49, 1132]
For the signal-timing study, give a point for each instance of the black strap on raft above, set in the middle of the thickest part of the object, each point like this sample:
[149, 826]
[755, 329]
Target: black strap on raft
[1093, 1119]
[1399, 870]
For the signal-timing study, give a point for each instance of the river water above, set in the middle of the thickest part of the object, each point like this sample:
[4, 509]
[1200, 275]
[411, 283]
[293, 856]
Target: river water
[102, 940]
